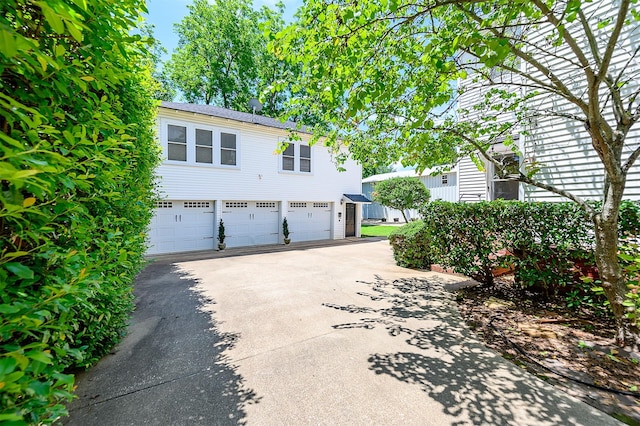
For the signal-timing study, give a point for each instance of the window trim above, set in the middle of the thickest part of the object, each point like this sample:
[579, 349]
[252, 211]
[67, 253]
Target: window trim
[297, 158]
[219, 148]
[192, 147]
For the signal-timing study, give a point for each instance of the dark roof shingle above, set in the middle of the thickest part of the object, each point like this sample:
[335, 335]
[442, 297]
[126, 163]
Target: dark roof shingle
[243, 117]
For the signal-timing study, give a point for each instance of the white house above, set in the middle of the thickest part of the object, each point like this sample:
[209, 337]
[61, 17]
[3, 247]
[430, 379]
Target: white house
[559, 146]
[442, 187]
[222, 164]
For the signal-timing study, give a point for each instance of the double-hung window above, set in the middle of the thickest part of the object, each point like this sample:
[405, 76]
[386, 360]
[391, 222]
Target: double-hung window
[228, 149]
[296, 158]
[200, 144]
[204, 146]
[289, 158]
[176, 143]
[305, 158]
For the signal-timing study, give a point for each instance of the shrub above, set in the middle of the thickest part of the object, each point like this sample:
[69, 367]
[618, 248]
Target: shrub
[78, 154]
[464, 237]
[412, 245]
[549, 244]
[546, 242]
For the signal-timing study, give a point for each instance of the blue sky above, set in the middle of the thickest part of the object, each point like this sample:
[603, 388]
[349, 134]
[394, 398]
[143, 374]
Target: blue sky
[164, 13]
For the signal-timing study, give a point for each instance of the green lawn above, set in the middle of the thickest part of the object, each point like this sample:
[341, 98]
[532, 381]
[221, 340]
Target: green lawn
[377, 230]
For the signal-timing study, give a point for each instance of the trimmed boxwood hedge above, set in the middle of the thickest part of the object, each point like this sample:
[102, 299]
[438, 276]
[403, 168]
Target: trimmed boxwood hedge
[77, 157]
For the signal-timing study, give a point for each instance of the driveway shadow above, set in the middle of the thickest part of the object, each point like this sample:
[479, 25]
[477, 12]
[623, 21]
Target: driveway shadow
[471, 382]
[171, 368]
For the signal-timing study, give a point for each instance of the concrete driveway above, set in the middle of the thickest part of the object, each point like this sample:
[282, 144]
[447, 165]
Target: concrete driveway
[324, 336]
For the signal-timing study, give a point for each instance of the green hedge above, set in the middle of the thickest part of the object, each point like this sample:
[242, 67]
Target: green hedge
[77, 158]
[549, 244]
[412, 245]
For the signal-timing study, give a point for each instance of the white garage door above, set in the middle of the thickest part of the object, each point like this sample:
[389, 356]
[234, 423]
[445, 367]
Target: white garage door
[250, 223]
[309, 221]
[179, 226]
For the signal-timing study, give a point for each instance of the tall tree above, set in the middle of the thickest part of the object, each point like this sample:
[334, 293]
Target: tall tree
[162, 87]
[370, 170]
[222, 56]
[215, 62]
[275, 75]
[376, 71]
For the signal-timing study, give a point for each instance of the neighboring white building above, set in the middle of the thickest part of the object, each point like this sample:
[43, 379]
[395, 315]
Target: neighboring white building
[442, 187]
[221, 164]
[561, 147]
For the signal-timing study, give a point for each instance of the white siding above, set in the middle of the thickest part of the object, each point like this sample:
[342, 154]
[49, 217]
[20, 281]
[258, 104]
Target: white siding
[473, 182]
[438, 190]
[258, 175]
[562, 147]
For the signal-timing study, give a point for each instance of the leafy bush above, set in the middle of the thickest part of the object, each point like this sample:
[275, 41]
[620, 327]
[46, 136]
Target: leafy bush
[464, 237]
[546, 242]
[78, 154]
[549, 244]
[412, 245]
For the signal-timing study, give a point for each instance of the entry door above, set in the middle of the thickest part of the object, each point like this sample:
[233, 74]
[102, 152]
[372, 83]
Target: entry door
[350, 220]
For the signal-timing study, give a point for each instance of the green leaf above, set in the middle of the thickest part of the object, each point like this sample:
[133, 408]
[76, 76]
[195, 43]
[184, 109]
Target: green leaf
[20, 270]
[7, 365]
[8, 45]
[9, 309]
[40, 356]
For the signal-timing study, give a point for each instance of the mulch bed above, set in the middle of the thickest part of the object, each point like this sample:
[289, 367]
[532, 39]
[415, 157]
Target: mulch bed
[572, 350]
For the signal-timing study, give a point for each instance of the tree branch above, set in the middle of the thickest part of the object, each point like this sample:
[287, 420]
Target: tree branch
[525, 179]
[566, 36]
[593, 44]
[560, 87]
[613, 39]
[631, 160]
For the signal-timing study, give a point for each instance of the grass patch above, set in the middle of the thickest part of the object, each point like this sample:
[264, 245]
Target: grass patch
[376, 230]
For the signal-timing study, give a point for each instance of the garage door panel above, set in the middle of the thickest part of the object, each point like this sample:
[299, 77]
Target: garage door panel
[309, 221]
[250, 223]
[179, 226]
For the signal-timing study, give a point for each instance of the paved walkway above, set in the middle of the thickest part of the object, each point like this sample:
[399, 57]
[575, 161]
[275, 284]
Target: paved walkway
[318, 335]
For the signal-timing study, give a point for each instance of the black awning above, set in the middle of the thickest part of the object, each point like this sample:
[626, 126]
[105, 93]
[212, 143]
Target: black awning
[357, 198]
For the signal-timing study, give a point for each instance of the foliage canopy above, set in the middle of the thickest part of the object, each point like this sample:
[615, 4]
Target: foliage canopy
[222, 57]
[401, 193]
[76, 170]
[382, 77]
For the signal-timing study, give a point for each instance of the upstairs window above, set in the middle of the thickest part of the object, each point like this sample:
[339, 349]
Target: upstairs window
[199, 144]
[445, 180]
[288, 158]
[305, 158]
[295, 158]
[228, 149]
[177, 143]
[204, 146]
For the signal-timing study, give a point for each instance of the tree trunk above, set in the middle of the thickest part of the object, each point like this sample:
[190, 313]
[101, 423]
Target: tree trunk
[611, 274]
[404, 216]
